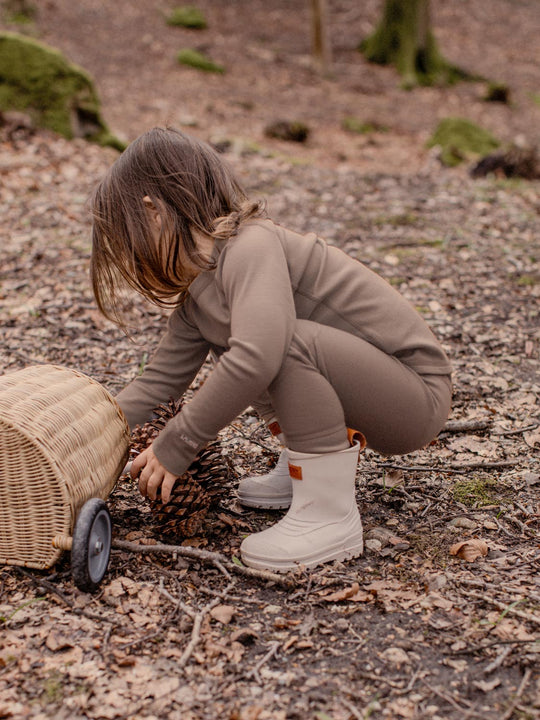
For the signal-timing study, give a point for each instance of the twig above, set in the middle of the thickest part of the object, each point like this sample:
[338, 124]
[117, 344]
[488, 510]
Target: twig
[350, 707]
[494, 664]
[138, 641]
[250, 439]
[485, 646]
[508, 433]
[457, 426]
[198, 617]
[485, 465]
[507, 609]
[175, 601]
[523, 684]
[49, 587]
[448, 469]
[410, 684]
[466, 713]
[222, 569]
[378, 679]
[255, 670]
[503, 529]
[208, 557]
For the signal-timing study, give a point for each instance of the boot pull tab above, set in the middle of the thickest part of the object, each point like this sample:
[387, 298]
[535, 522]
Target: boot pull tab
[356, 436]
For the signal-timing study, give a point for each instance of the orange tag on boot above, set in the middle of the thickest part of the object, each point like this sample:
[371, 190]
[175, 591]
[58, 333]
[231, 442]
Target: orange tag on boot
[295, 471]
[356, 436]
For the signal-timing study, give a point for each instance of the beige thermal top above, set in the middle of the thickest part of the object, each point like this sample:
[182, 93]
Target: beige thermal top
[245, 309]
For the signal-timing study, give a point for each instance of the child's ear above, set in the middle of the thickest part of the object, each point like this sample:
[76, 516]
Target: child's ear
[152, 209]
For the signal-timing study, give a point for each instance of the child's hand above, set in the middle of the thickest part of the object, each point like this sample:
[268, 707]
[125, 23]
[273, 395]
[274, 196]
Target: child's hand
[152, 475]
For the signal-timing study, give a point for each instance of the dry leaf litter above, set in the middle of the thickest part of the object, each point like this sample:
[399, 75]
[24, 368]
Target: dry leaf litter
[440, 617]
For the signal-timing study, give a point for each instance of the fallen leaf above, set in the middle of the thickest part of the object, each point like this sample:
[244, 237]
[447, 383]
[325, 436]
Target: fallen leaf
[474, 444]
[392, 479]
[343, 594]
[490, 525]
[246, 636]
[383, 536]
[532, 438]
[463, 522]
[395, 656]
[56, 642]
[352, 593]
[487, 685]
[223, 613]
[469, 549]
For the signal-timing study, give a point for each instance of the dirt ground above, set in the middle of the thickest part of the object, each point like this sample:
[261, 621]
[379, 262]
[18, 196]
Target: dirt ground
[410, 629]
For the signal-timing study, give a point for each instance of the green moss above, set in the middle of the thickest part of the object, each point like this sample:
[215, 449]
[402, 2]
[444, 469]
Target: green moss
[476, 491]
[197, 60]
[187, 16]
[460, 139]
[362, 127]
[19, 12]
[527, 280]
[404, 218]
[38, 80]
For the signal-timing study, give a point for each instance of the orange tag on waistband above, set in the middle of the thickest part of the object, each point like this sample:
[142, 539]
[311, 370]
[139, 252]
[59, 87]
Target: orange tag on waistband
[295, 471]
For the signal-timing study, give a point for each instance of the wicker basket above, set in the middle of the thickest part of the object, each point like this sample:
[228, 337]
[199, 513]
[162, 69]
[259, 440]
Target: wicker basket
[63, 440]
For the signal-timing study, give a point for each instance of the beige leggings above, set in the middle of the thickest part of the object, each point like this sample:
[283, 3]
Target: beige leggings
[331, 380]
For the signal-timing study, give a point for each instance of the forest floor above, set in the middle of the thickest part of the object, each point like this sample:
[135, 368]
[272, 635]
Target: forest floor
[412, 629]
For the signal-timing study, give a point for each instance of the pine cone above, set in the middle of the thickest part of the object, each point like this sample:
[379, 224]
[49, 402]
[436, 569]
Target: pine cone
[196, 492]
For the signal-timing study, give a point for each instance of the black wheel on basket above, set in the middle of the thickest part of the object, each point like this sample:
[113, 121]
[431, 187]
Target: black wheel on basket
[91, 545]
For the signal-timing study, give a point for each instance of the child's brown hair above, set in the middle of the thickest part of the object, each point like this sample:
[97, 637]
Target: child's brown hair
[190, 188]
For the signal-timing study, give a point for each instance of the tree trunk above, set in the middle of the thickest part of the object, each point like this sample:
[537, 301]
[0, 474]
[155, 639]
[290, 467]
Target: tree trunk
[404, 39]
[322, 48]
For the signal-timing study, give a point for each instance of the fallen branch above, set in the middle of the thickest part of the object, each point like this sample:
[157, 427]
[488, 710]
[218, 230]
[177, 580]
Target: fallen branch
[448, 469]
[474, 648]
[212, 558]
[458, 426]
[507, 609]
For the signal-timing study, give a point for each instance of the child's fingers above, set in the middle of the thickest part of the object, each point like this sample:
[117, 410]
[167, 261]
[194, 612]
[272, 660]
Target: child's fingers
[167, 486]
[138, 464]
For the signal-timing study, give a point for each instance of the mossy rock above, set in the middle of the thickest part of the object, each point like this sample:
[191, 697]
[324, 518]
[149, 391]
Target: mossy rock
[56, 94]
[187, 16]
[290, 130]
[460, 139]
[497, 92]
[197, 60]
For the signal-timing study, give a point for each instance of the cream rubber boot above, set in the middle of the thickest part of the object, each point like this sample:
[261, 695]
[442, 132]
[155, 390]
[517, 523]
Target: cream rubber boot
[273, 490]
[323, 522]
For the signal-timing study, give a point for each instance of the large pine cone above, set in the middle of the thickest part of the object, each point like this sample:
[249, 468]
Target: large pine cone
[194, 493]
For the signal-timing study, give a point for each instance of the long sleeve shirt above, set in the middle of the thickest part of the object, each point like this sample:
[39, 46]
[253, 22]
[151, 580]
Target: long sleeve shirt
[245, 309]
